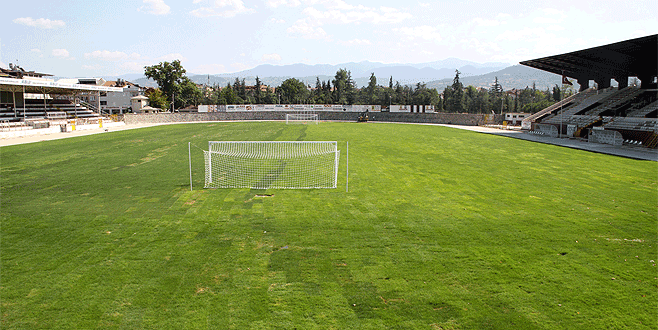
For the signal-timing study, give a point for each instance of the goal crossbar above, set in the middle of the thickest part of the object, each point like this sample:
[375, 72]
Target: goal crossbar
[272, 164]
[293, 118]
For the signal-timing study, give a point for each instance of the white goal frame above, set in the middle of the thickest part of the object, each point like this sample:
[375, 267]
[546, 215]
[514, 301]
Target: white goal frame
[302, 118]
[272, 164]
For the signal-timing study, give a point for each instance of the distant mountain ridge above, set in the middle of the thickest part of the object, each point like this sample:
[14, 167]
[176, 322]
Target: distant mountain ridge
[407, 73]
[431, 74]
[429, 70]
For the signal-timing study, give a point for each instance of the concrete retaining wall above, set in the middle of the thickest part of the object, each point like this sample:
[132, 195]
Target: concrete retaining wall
[433, 118]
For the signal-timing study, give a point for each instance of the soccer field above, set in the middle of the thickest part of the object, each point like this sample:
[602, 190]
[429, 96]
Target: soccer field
[440, 229]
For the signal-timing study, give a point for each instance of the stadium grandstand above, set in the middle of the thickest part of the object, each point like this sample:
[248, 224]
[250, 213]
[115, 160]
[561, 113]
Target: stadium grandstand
[625, 114]
[32, 99]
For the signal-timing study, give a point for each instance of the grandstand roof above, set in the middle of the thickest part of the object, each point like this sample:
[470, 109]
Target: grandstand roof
[48, 86]
[630, 58]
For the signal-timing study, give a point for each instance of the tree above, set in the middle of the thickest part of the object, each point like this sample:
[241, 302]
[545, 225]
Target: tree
[292, 91]
[257, 93]
[229, 96]
[189, 94]
[157, 99]
[556, 93]
[167, 75]
[455, 102]
[340, 82]
[371, 90]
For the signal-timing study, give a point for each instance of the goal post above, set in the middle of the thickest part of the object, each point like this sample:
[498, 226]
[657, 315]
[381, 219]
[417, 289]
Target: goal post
[302, 118]
[272, 164]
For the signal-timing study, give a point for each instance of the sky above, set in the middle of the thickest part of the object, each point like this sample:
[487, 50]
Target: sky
[82, 38]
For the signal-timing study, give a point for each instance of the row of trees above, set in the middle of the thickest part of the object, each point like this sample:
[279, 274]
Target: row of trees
[459, 99]
[177, 88]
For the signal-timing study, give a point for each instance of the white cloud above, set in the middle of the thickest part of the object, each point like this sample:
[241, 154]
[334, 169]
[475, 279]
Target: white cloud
[209, 69]
[107, 55]
[271, 57]
[341, 13]
[277, 3]
[503, 16]
[307, 31]
[338, 12]
[35, 50]
[356, 42]
[239, 66]
[482, 47]
[42, 23]
[485, 22]
[132, 67]
[522, 34]
[155, 7]
[424, 32]
[91, 67]
[554, 12]
[277, 21]
[171, 57]
[223, 8]
[62, 53]
[545, 20]
[424, 4]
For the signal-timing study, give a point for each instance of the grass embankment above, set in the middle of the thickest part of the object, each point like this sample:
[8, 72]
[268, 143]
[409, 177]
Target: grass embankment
[440, 229]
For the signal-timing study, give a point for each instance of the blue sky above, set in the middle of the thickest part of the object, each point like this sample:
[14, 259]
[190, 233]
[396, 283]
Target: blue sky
[102, 38]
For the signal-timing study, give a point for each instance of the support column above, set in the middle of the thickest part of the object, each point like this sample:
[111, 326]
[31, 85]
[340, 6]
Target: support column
[13, 93]
[584, 83]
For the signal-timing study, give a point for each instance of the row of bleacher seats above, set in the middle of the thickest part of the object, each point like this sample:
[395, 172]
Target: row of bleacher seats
[616, 100]
[633, 124]
[643, 111]
[31, 110]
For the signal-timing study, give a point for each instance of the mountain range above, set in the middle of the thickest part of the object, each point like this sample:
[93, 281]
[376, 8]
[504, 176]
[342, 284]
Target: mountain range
[436, 74]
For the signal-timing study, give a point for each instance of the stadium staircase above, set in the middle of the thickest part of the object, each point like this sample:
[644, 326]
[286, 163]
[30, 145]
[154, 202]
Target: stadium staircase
[585, 103]
[576, 98]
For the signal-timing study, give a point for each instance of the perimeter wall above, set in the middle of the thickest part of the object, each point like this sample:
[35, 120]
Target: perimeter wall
[430, 118]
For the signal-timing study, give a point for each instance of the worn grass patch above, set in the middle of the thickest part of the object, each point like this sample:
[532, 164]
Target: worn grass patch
[440, 229]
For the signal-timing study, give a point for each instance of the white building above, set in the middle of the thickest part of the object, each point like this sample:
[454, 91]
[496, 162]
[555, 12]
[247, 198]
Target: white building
[120, 102]
[515, 118]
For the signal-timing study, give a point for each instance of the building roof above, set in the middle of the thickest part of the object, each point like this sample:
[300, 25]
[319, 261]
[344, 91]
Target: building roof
[630, 58]
[50, 87]
[119, 83]
[16, 71]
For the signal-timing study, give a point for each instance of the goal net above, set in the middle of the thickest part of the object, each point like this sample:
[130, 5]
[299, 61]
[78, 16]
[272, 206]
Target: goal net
[301, 118]
[272, 164]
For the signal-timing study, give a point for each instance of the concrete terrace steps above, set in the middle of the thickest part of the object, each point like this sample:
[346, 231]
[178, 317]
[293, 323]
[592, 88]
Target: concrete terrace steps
[633, 124]
[616, 99]
[644, 111]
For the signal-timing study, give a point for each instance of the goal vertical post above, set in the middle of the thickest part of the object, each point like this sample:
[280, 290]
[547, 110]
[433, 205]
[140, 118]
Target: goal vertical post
[347, 167]
[189, 153]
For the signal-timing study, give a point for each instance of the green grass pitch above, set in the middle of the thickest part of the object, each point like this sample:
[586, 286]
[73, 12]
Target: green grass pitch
[441, 229]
